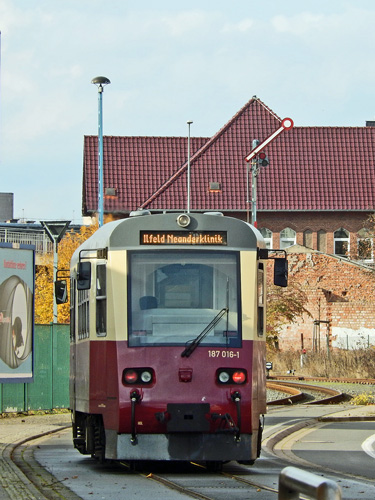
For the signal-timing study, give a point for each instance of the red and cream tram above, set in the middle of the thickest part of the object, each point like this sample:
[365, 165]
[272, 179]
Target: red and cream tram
[168, 339]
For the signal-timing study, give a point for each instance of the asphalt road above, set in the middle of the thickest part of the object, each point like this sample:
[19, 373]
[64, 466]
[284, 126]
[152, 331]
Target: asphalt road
[333, 445]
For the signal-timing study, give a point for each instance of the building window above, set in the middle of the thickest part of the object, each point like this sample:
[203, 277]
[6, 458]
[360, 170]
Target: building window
[287, 238]
[322, 241]
[365, 245]
[341, 242]
[267, 235]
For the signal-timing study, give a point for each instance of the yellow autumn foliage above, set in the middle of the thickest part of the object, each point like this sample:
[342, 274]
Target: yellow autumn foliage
[44, 276]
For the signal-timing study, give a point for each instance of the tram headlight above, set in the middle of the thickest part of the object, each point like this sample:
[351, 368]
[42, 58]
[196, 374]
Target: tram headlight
[232, 376]
[146, 376]
[138, 376]
[224, 377]
[183, 220]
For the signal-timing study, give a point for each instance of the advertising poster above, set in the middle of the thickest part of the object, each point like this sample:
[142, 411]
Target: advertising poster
[17, 271]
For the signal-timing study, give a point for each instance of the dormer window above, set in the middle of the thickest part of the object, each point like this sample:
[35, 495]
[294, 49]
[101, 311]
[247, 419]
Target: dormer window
[215, 187]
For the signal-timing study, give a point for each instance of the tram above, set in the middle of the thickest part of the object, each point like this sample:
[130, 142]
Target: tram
[168, 339]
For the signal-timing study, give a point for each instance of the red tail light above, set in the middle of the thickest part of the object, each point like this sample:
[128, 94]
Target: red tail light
[231, 376]
[130, 376]
[138, 376]
[239, 377]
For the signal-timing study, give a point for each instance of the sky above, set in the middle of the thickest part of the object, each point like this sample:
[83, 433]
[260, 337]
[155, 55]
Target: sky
[169, 62]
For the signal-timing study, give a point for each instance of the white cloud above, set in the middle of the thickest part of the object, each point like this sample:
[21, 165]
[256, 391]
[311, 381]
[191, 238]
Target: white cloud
[300, 24]
[242, 26]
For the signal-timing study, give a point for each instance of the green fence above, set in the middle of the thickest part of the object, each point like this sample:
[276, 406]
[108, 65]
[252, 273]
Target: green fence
[50, 388]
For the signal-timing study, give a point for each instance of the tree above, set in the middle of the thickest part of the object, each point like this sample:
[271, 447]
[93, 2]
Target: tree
[44, 276]
[284, 305]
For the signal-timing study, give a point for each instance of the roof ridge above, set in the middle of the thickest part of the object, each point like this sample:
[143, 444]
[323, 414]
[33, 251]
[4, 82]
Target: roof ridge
[204, 148]
[267, 108]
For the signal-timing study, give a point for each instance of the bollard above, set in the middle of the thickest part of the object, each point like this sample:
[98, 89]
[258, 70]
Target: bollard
[293, 482]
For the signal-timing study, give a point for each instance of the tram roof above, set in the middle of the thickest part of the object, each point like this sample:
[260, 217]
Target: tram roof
[125, 233]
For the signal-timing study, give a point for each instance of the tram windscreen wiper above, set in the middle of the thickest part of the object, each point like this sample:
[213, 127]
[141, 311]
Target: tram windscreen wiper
[189, 349]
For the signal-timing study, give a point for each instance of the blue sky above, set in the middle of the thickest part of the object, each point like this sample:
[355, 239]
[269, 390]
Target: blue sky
[169, 62]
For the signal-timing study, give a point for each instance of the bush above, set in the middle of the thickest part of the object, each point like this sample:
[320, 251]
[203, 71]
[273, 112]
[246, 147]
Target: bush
[341, 363]
[363, 399]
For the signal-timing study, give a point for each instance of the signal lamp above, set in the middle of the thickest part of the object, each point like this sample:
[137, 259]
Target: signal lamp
[263, 161]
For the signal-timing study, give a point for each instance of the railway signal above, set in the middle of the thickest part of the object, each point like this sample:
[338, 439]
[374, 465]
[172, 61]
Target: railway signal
[263, 160]
[258, 158]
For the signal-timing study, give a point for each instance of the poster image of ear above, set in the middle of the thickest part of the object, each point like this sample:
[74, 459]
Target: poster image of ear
[17, 285]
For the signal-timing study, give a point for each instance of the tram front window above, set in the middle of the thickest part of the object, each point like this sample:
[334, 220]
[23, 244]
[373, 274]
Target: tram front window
[174, 296]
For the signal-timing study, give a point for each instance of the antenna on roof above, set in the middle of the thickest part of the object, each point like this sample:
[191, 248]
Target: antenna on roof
[188, 170]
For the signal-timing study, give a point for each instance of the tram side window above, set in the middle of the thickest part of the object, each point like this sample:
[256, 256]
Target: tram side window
[83, 314]
[260, 300]
[72, 310]
[101, 300]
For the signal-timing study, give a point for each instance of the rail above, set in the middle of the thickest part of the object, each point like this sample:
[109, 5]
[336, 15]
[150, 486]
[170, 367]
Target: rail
[37, 238]
[293, 482]
[296, 391]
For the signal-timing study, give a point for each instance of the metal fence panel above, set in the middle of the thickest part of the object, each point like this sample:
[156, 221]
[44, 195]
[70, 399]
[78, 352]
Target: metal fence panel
[50, 388]
[61, 343]
[13, 397]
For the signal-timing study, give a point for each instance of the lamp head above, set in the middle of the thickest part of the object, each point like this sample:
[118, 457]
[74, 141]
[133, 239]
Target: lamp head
[100, 81]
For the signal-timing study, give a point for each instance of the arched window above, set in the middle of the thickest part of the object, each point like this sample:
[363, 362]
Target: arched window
[341, 242]
[287, 238]
[365, 245]
[307, 238]
[267, 235]
[322, 241]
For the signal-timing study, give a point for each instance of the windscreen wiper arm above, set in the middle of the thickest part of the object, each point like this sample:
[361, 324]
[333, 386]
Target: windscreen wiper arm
[189, 349]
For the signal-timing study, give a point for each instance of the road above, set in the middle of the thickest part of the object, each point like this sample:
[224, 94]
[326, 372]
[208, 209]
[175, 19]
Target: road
[334, 446]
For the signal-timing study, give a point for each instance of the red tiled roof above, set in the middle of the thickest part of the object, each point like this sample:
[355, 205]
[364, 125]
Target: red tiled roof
[134, 166]
[311, 168]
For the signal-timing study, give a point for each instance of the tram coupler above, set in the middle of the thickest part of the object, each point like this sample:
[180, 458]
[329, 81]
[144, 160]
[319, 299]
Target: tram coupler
[135, 397]
[236, 398]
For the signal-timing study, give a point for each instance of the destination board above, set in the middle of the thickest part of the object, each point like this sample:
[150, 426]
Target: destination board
[183, 238]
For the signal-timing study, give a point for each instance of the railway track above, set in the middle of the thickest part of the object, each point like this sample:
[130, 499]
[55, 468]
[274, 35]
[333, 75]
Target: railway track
[232, 479]
[191, 479]
[297, 393]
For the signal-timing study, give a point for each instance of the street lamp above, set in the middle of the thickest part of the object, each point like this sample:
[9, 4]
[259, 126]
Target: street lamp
[188, 171]
[100, 82]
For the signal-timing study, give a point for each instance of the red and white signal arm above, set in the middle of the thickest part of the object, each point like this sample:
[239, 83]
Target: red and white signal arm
[286, 124]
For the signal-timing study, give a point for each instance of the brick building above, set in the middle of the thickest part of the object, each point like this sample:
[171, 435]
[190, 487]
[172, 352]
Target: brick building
[317, 191]
[341, 298]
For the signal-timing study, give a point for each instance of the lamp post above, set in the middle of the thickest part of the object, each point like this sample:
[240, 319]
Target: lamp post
[100, 82]
[188, 171]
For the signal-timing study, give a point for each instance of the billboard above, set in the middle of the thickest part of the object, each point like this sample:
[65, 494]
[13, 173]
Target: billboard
[17, 284]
